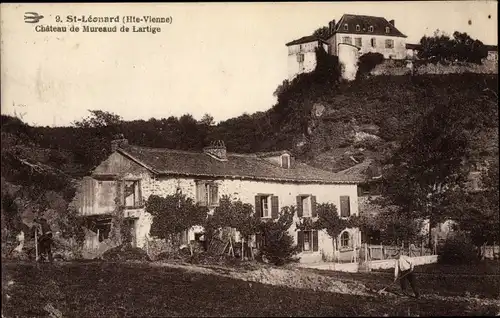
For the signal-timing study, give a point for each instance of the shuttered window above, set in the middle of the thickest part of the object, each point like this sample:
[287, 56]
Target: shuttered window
[306, 205]
[207, 193]
[266, 206]
[308, 241]
[345, 206]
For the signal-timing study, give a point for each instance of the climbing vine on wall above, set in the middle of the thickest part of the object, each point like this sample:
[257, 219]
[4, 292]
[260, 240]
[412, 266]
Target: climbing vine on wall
[329, 220]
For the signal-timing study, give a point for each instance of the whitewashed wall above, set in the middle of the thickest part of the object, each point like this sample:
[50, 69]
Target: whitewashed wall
[398, 52]
[309, 64]
[246, 191]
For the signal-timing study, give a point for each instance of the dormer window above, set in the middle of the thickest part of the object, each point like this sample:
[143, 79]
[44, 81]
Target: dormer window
[346, 27]
[358, 28]
[285, 161]
[370, 29]
[387, 29]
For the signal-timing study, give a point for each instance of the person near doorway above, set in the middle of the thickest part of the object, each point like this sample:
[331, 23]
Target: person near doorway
[45, 241]
[404, 271]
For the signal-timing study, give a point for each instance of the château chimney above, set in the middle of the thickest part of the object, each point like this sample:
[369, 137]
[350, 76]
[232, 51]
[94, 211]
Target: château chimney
[217, 149]
[393, 23]
[331, 26]
[118, 142]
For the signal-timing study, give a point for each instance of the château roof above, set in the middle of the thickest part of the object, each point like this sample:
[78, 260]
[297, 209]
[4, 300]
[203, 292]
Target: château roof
[365, 21]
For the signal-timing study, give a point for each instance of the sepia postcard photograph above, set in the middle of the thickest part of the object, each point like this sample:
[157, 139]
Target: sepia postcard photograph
[239, 159]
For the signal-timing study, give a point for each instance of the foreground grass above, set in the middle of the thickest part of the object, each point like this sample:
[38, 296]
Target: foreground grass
[139, 290]
[481, 279]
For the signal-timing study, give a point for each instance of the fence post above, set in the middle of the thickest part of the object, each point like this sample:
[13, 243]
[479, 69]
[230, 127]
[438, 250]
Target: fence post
[36, 244]
[366, 253]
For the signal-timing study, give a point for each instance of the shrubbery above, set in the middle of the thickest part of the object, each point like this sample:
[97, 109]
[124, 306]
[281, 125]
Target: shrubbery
[279, 247]
[442, 48]
[367, 62]
[457, 250]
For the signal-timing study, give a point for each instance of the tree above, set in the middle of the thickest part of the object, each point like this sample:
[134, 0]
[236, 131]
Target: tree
[99, 119]
[323, 32]
[441, 47]
[174, 214]
[329, 220]
[207, 119]
[429, 168]
[279, 247]
[392, 227]
[480, 215]
[232, 214]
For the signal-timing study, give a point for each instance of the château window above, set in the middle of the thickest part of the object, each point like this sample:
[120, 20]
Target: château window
[300, 58]
[389, 44]
[285, 161]
[358, 42]
[373, 42]
[346, 27]
[347, 39]
[387, 29]
[370, 29]
[358, 28]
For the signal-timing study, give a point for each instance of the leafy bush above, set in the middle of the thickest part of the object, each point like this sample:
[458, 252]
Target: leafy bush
[442, 48]
[279, 247]
[457, 250]
[174, 214]
[125, 252]
[367, 62]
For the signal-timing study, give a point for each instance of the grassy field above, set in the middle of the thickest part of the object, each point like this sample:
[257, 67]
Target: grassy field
[140, 290]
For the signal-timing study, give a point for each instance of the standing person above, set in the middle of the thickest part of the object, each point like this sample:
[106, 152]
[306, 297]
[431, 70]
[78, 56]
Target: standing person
[45, 241]
[403, 270]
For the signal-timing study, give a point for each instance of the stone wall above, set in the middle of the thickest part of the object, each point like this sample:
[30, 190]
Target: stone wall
[405, 67]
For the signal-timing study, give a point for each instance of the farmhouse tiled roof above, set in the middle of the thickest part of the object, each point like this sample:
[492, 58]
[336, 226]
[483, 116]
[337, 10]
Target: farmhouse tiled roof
[306, 39]
[238, 166]
[365, 21]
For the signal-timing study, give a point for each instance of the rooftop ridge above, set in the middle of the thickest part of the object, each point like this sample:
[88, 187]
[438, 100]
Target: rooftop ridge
[170, 150]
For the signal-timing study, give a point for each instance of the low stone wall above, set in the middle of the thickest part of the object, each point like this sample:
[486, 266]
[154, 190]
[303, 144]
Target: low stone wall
[347, 267]
[403, 67]
[389, 263]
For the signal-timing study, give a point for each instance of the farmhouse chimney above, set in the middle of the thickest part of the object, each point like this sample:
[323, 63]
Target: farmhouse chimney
[393, 23]
[118, 142]
[217, 149]
[331, 26]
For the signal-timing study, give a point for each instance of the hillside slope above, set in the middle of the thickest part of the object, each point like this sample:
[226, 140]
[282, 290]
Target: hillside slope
[327, 123]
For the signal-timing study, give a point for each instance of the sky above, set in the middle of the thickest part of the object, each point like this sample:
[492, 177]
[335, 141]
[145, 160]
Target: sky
[224, 59]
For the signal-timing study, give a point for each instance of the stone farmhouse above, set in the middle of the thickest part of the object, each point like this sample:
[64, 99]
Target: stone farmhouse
[268, 181]
[364, 33]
